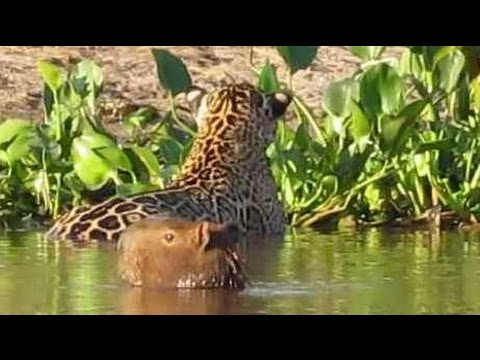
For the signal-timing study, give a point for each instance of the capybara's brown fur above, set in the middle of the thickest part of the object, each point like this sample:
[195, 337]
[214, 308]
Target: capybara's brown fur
[175, 253]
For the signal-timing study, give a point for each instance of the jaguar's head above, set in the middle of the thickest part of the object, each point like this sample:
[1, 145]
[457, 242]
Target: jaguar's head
[239, 113]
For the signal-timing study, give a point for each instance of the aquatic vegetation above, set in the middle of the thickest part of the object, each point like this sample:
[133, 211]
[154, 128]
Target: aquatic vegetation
[394, 140]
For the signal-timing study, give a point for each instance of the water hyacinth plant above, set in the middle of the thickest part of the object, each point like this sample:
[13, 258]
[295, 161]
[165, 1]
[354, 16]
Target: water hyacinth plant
[395, 140]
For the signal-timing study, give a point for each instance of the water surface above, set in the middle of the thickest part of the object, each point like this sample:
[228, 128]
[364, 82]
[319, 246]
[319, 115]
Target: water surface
[350, 272]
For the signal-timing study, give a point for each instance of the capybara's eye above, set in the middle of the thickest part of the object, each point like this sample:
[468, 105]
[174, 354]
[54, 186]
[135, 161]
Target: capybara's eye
[168, 237]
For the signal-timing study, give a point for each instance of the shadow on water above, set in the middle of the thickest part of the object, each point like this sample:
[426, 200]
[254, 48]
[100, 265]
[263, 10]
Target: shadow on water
[351, 272]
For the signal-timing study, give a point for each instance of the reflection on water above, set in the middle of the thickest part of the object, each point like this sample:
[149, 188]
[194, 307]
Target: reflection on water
[182, 302]
[371, 272]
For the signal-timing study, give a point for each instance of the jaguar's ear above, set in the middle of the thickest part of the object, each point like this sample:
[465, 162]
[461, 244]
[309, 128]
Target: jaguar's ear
[278, 102]
[194, 97]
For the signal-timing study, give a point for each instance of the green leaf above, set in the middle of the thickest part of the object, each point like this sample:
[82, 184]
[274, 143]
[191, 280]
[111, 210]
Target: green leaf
[422, 164]
[13, 127]
[171, 150]
[381, 90]
[462, 108]
[104, 157]
[73, 182]
[330, 184]
[443, 144]
[268, 80]
[395, 131]
[391, 130]
[349, 166]
[21, 146]
[52, 75]
[373, 196]
[105, 147]
[69, 98]
[475, 94]
[411, 64]
[294, 163]
[427, 53]
[17, 138]
[419, 190]
[91, 168]
[87, 80]
[48, 100]
[441, 53]
[297, 57]
[148, 159]
[338, 95]
[360, 128]
[139, 118]
[288, 191]
[95, 140]
[367, 52]
[448, 69]
[132, 189]
[172, 72]
[116, 158]
[302, 136]
[285, 136]
[413, 109]
[336, 124]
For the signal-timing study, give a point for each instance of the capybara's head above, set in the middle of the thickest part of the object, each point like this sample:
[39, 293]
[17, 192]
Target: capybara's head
[174, 253]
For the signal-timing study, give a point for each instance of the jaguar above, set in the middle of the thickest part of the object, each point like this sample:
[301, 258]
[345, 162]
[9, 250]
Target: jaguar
[226, 176]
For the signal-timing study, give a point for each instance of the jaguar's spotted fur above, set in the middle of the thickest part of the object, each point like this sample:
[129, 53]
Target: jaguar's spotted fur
[226, 176]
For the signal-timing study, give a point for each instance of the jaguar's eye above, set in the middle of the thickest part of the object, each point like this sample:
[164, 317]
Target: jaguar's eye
[168, 237]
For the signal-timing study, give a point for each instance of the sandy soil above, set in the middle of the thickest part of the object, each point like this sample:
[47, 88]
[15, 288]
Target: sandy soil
[130, 72]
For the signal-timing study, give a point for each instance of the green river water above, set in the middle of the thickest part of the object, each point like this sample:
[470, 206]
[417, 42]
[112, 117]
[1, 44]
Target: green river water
[348, 272]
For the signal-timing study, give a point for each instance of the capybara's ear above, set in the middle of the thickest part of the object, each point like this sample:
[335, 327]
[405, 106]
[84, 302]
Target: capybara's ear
[203, 234]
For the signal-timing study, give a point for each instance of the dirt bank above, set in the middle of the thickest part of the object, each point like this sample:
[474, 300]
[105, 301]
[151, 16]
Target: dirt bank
[130, 71]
